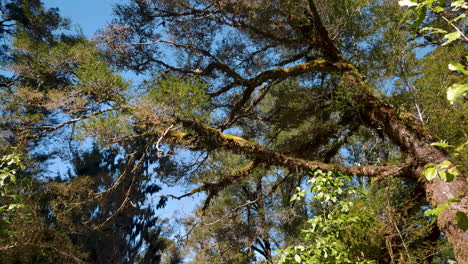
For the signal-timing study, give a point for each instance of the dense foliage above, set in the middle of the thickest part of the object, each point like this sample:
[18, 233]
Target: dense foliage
[317, 131]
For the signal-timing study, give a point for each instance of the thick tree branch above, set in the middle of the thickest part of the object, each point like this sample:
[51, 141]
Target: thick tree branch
[328, 46]
[200, 136]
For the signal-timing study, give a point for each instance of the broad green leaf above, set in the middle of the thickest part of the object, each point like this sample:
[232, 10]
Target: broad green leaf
[428, 2]
[430, 173]
[462, 220]
[293, 198]
[445, 164]
[443, 175]
[438, 9]
[407, 3]
[455, 66]
[448, 177]
[451, 37]
[454, 171]
[456, 91]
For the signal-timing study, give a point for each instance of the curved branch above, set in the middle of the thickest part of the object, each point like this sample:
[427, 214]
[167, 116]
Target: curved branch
[279, 74]
[201, 136]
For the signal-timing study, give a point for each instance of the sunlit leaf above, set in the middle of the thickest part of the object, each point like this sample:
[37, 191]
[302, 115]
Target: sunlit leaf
[436, 211]
[458, 18]
[455, 66]
[438, 9]
[430, 173]
[407, 3]
[461, 147]
[442, 145]
[436, 30]
[450, 37]
[459, 4]
[445, 164]
[456, 91]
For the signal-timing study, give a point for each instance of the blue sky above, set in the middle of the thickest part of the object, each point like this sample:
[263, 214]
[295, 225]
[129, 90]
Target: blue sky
[91, 16]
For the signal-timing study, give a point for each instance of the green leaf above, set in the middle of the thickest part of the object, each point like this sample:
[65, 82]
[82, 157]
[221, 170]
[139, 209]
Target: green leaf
[453, 171]
[451, 37]
[461, 147]
[439, 209]
[462, 220]
[445, 164]
[2, 179]
[457, 18]
[436, 211]
[459, 4]
[449, 177]
[438, 9]
[436, 30]
[429, 165]
[443, 175]
[6, 220]
[14, 206]
[430, 173]
[456, 91]
[407, 3]
[455, 66]
[442, 144]
[455, 199]
[293, 198]
[301, 248]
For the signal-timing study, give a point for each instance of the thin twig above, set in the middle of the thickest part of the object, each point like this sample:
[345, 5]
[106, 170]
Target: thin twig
[159, 140]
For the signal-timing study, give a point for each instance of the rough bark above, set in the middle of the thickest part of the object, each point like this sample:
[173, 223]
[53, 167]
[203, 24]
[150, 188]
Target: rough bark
[407, 132]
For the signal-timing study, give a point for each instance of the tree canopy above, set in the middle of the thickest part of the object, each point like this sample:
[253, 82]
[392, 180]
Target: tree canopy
[318, 132]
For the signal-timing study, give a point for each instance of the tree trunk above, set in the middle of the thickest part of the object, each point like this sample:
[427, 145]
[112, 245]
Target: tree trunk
[409, 134]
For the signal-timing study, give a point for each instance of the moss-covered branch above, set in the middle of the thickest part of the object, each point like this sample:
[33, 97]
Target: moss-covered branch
[204, 137]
